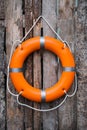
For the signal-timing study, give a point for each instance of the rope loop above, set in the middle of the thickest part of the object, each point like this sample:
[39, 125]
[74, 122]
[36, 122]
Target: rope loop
[50, 109]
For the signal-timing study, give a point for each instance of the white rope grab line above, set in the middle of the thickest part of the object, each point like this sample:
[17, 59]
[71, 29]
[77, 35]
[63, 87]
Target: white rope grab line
[17, 42]
[75, 90]
[40, 110]
[67, 44]
[50, 109]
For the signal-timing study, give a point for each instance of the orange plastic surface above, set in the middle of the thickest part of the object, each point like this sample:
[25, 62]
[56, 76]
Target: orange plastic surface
[26, 49]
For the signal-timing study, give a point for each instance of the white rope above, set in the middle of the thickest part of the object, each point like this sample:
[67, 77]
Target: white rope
[75, 90]
[12, 49]
[40, 110]
[47, 24]
[66, 43]
[50, 109]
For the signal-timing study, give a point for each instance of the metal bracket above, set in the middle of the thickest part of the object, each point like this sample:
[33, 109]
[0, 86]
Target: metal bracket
[43, 95]
[42, 42]
[69, 69]
[15, 70]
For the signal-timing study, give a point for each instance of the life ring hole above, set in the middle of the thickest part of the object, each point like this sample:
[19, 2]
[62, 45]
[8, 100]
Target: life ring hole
[63, 47]
[64, 90]
[20, 46]
[22, 90]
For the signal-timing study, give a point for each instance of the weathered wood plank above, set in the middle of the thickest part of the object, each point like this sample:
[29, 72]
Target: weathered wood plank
[2, 9]
[37, 83]
[2, 23]
[81, 60]
[68, 117]
[50, 119]
[14, 32]
[33, 67]
[2, 81]
[29, 63]
[67, 112]
[37, 62]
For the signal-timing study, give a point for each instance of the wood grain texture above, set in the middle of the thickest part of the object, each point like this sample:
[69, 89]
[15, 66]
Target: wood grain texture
[2, 9]
[33, 71]
[13, 33]
[37, 83]
[50, 119]
[69, 18]
[2, 81]
[37, 63]
[2, 23]
[67, 112]
[81, 60]
[28, 113]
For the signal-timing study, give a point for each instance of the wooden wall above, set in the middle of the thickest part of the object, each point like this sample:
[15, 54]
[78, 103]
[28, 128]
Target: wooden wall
[69, 19]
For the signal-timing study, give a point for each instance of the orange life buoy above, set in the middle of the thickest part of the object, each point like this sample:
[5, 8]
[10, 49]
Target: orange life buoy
[51, 93]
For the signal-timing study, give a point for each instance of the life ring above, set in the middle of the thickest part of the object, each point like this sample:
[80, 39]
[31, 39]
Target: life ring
[51, 93]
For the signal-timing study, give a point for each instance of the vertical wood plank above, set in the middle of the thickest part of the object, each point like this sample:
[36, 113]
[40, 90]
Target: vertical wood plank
[37, 83]
[81, 60]
[2, 76]
[50, 119]
[2, 9]
[68, 117]
[29, 63]
[32, 11]
[37, 62]
[13, 32]
[2, 81]
[67, 112]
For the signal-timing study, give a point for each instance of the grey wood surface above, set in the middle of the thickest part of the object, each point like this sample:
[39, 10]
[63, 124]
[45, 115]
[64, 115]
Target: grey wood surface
[42, 70]
[2, 9]
[37, 63]
[49, 64]
[28, 11]
[33, 70]
[81, 62]
[2, 81]
[67, 112]
[14, 32]
[2, 65]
